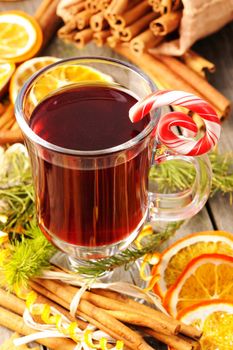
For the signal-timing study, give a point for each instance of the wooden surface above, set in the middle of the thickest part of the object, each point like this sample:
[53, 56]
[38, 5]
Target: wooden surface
[218, 48]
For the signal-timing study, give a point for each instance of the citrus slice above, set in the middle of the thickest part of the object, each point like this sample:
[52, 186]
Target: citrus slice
[209, 276]
[6, 71]
[215, 319]
[25, 71]
[20, 36]
[174, 259]
[60, 76]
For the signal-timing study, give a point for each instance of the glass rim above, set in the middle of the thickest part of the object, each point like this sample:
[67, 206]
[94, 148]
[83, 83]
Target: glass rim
[25, 128]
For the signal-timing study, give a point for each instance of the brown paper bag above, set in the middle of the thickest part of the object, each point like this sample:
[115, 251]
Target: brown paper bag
[200, 18]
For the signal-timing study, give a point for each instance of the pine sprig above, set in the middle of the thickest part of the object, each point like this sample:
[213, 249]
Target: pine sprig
[130, 255]
[222, 166]
[26, 258]
[177, 175]
[16, 190]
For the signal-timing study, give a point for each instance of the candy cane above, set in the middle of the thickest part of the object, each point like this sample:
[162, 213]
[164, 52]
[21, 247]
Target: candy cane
[166, 136]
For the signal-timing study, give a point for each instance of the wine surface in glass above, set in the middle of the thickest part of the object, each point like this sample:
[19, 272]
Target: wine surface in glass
[99, 205]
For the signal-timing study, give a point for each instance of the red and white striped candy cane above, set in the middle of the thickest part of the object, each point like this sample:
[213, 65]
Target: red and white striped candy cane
[166, 136]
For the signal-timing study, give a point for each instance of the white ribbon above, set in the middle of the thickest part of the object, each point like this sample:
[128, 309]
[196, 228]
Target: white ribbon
[125, 287]
[76, 299]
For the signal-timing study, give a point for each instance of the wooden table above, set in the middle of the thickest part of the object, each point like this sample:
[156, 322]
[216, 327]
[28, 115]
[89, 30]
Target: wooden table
[218, 48]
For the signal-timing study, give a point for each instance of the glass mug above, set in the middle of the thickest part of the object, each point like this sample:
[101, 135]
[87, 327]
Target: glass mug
[93, 203]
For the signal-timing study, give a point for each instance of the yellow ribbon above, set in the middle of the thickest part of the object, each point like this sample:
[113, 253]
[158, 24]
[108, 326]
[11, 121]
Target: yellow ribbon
[48, 317]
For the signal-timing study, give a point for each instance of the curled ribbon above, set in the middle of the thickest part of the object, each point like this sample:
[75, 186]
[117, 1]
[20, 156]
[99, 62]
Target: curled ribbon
[57, 325]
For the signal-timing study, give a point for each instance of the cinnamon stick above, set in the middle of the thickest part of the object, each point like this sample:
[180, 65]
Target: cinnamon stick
[67, 29]
[144, 41]
[10, 136]
[7, 115]
[166, 23]
[116, 7]
[112, 41]
[166, 324]
[83, 19]
[128, 33]
[166, 6]
[198, 63]
[15, 126]
[132, 15]
[103, 4]
[74, 10]
[16, 323]
[48, 19]
[190, 331]
[98, 22]
[83, 37]
[100, 38]
[113, 326]
[156, 5]
[91, 5]
[2, 108]
[155, 69]
[220, 102]
[69, 9]
[140, 319]
[15, 304]
[173, 341]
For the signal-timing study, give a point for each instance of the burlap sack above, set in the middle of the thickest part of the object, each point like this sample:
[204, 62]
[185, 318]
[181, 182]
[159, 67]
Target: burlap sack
[200, 18]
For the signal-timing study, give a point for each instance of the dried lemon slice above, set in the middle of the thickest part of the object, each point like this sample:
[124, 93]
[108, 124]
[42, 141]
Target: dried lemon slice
[64, 75]
[174, 259]
[20, 36]
[215, 319]
[6, 71]
[209, 276]
[25, 71]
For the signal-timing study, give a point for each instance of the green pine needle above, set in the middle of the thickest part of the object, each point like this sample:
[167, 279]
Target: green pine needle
[26, 258]
[177, 175]
[130, 255]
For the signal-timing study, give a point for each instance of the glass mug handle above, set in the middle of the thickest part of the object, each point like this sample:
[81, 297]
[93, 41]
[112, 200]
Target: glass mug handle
[176, 207]
[185, 204]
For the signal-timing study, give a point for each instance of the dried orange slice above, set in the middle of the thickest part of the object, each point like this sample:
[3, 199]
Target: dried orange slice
[6, 71]
[20, 36]
[209, 276]
[25, 71]
[60, 76]
[215, 319]
[175, 258]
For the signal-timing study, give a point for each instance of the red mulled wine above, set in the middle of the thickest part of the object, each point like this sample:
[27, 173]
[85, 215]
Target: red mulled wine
[85, 200]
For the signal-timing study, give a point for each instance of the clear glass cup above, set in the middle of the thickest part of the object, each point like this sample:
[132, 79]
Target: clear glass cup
[115, 210]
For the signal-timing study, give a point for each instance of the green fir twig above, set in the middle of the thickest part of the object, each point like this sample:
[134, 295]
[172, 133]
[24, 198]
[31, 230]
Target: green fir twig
[177, 175]
[130, 255]
[25, 258]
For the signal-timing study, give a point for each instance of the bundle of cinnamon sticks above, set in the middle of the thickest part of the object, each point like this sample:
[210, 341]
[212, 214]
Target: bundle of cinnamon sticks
[117, 315]
[134, 29]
